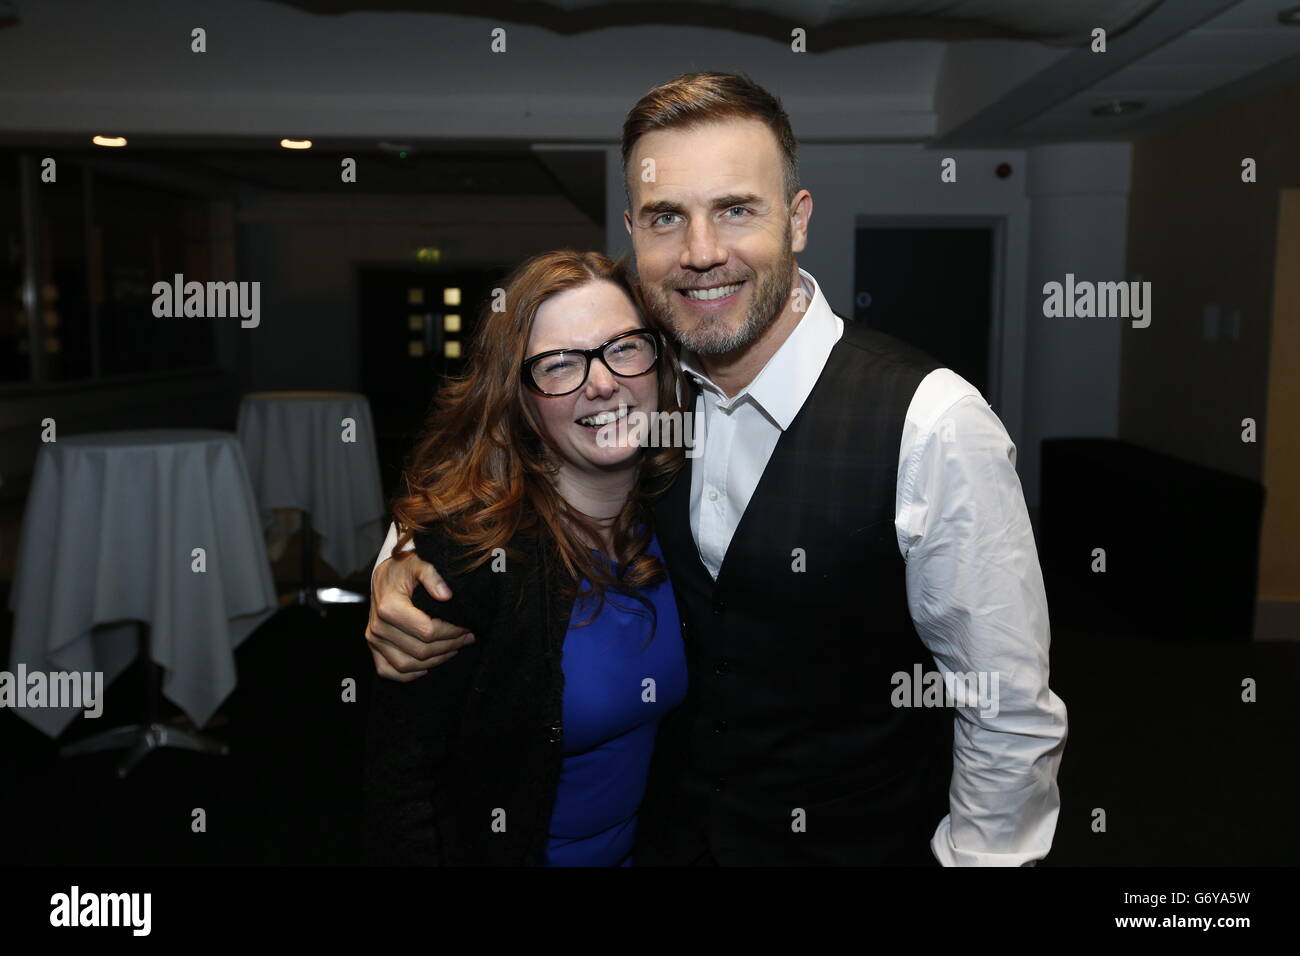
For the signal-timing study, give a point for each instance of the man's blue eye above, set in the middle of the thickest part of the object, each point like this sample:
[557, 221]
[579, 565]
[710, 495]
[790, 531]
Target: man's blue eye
[734, 208]
[662, 216]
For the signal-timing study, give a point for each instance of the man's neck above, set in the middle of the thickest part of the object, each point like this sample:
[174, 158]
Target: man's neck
[733, 371]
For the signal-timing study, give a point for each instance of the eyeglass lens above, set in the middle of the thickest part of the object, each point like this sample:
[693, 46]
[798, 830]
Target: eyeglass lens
[565, 371]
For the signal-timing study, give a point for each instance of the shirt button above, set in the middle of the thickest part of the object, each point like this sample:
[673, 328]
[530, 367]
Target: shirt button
[713, 495]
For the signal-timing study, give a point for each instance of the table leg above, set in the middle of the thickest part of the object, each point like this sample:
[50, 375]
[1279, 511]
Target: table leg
[143, 744]
[106, 740]
[307, 591]
[139, 739]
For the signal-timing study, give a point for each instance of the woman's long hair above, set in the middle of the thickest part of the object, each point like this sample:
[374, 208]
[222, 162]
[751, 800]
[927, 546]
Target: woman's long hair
[481, 468]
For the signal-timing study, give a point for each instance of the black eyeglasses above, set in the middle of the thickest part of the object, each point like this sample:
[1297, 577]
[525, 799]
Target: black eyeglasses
[562, 371]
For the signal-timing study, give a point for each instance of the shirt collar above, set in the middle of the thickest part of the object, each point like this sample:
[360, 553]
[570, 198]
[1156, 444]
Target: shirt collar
[784, 383]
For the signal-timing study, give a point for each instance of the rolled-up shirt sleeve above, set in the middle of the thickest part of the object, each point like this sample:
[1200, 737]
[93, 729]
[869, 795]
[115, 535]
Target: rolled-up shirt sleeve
[386, 549]
[977, 600]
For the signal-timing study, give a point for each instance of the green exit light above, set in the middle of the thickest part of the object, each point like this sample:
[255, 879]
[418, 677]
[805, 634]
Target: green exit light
[428, 254]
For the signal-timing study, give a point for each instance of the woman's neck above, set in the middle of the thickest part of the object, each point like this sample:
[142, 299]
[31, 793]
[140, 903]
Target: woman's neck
[599, 495]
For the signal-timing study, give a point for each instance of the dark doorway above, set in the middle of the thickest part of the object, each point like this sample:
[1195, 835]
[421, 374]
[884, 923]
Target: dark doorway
[933, 288]
[416, 327]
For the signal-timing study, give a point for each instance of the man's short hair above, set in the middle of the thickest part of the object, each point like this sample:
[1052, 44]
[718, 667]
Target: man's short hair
[693, 99]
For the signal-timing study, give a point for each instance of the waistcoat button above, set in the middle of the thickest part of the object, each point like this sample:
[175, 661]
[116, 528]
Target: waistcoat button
[721, 667]
[719, 784]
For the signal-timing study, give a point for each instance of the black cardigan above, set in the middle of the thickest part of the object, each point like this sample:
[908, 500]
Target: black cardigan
[462, 764]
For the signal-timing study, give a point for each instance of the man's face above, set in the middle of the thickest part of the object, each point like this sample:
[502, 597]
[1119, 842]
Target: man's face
[713, 236]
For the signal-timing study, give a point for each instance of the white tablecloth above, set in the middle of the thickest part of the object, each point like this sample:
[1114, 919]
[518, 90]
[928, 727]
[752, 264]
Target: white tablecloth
[299, 457]
[108, 535]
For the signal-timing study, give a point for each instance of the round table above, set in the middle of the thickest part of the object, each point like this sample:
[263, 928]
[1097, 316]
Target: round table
[315, 452]
[111, 536]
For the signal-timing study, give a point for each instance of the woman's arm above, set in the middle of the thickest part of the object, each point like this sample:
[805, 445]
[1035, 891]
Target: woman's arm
[413, 727]
[405, 757]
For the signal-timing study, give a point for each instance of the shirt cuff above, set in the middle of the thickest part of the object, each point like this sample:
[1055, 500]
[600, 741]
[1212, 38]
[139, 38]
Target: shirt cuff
[946, 853]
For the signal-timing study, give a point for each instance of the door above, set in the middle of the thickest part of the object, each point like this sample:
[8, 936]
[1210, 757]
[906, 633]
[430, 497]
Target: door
[416, 327]
[932, 287]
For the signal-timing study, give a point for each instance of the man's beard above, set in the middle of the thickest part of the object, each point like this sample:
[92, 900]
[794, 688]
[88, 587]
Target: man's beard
[710, 337]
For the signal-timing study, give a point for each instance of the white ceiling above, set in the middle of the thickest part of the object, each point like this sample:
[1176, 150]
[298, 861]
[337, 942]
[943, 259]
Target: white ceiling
[71, 68]
[1032, 19]
[1221, 51]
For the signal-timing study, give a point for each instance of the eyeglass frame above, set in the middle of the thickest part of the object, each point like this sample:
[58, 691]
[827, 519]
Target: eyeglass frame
[526, 369]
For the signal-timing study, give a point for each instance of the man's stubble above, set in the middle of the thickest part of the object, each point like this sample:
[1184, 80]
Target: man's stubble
[771, 291]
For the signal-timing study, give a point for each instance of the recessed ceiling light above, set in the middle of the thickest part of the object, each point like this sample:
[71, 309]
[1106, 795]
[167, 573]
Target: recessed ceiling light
[1117, 108]
[108, 140]
[1289, 16]
[296, 143]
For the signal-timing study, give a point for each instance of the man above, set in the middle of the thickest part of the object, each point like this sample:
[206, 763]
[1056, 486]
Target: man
[854, 517]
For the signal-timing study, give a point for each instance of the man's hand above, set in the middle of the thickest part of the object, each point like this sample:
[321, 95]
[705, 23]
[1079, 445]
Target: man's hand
[404, 641]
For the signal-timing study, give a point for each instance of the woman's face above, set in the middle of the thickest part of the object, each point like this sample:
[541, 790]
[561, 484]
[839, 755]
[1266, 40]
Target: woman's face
[583, 318]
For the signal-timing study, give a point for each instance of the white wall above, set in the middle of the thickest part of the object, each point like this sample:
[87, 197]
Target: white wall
[1079, 196]
[905, 182]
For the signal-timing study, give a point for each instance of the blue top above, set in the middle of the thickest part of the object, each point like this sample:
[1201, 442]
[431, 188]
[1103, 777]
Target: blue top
[611, 716]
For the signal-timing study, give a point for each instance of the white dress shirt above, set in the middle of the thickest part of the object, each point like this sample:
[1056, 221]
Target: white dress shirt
[974, 586]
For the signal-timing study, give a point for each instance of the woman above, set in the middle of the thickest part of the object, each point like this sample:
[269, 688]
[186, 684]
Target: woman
[532, 745]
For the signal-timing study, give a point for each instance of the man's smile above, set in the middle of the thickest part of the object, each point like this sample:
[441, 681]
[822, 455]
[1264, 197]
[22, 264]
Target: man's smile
[710, 298]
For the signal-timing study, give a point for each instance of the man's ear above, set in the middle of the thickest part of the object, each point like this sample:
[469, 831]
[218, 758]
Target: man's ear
[800, 216]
